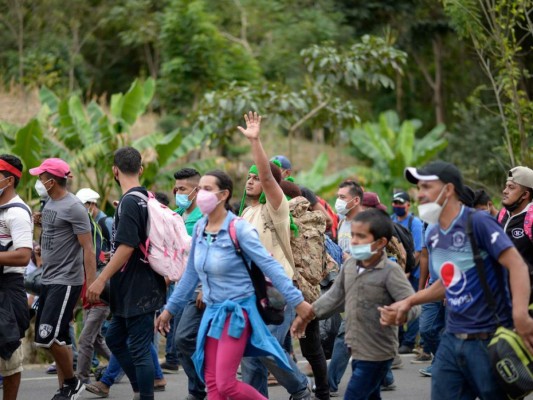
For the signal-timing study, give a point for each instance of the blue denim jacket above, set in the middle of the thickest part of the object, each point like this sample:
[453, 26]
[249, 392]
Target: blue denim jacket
[221, 270]
[228, 289]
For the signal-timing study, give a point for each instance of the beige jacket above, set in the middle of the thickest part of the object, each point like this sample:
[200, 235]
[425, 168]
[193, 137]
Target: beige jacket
[360, 295]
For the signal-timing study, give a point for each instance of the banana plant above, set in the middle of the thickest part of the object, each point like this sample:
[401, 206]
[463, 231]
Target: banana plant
[319, 182]
[86, 136]
[387, 147]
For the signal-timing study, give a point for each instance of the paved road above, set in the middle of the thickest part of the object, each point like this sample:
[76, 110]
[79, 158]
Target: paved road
[36, 385]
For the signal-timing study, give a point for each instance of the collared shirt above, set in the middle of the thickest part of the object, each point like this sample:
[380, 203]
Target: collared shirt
[190, 219]
[451, 254]
[221, 269]
[360, 294]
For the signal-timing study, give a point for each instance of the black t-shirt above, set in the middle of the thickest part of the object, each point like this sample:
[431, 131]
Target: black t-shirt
[524, 245]
[135, 289]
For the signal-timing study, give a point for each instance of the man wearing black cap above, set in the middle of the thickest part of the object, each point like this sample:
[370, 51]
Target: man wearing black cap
[462, 366]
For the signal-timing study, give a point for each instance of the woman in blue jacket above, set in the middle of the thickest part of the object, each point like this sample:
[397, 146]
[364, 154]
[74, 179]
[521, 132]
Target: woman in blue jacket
[231, 326]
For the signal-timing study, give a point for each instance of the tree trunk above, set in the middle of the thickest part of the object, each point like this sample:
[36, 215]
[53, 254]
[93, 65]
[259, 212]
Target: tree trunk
[437, 88]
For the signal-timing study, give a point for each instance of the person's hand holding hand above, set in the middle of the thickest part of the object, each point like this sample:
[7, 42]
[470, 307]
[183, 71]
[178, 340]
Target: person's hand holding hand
[305, 310]
[298, 328]
[162, 323]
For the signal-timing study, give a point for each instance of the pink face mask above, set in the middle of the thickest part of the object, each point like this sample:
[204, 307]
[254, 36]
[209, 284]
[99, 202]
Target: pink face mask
[207, 201]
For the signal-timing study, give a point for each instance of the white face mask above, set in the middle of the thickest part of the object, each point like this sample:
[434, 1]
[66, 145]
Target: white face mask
[340, 207]
[41, 189]
[430, 212]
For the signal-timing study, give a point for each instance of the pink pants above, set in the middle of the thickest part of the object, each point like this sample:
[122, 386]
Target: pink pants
[222, 358]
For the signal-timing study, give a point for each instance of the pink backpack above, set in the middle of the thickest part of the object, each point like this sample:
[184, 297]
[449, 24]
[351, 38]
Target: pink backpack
[167, 245]
[528, 221]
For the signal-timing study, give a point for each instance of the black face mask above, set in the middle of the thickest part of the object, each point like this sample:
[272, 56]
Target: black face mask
[512, 207]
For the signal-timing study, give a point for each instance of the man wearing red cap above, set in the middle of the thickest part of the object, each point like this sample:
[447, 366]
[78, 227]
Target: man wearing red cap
[66, 246]
[16, 234]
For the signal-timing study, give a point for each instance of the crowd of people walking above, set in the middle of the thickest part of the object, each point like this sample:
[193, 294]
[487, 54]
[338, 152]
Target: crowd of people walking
[349, 282]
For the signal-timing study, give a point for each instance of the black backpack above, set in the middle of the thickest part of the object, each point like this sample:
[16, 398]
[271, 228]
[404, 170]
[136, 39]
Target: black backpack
[406, 238]
[106, 242]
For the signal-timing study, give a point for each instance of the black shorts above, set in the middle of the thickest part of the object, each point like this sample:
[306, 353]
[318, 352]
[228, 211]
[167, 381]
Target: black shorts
[56, 309]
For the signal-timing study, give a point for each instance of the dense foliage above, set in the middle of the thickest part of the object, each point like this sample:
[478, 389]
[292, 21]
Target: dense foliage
[321, 70]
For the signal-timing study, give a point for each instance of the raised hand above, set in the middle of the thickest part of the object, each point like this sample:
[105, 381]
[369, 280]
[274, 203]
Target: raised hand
[253, 125]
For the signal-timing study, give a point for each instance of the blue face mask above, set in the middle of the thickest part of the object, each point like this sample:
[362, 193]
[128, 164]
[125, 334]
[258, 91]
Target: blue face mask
[399, 211]
[362, 252]
[182, 200]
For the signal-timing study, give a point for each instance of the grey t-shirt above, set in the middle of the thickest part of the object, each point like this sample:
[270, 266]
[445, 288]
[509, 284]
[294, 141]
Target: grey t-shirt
[62, 221]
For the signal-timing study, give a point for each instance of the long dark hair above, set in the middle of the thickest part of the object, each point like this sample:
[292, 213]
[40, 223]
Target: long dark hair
[224, 182]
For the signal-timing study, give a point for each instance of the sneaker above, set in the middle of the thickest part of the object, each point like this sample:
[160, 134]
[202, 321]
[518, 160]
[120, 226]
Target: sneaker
[426, 371]
[98, 388]
[193, 397]
[404, 349]
[334, 394]
[168, 368]
[422, 358]
[70, 392]
[388, 388]
[397, 363]
[52, 369]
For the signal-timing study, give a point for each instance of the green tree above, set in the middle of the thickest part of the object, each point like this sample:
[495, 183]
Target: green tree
[497, 31]
[388, 146]
[196, 56]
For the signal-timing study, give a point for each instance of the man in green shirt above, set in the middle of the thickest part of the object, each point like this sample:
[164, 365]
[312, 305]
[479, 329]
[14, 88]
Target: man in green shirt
[185, 190]
[187, 324]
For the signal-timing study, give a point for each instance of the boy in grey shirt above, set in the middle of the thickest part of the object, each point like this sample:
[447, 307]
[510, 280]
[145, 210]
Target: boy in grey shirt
[367, 280]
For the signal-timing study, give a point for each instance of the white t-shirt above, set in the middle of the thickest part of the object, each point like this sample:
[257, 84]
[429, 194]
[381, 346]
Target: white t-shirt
[16, 225]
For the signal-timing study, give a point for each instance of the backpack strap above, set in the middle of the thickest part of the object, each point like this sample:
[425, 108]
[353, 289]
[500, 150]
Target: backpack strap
[528, 222]
[480, 267]
[232, 230]
[142, 246]
[16, 205]
[410, 223]
[501, 214]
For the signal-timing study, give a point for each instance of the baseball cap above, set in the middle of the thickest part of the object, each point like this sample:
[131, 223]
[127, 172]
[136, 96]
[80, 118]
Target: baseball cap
[284, 161]
[521, 175]
[87, 195]
[371, 199]
[437, 170]
[54, 166]
[401, 197]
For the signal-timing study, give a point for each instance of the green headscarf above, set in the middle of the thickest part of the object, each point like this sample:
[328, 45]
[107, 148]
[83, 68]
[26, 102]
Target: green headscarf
[262, 198]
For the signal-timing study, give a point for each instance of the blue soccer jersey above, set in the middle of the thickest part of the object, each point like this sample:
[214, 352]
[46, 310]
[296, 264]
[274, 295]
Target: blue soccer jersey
[452, 257]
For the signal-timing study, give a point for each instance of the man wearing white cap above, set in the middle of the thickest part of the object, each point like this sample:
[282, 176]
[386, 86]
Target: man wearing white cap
[517, 215]
[66, 248]
[94, 314]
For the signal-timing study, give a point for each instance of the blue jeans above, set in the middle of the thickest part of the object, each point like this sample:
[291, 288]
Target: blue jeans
[432, 320]
[462, 371]
[130, 340]
[339, 360]
[409, 336]
[171, 353]
[365, 383]
[187, 325]
[255, 369]
[113, 368]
